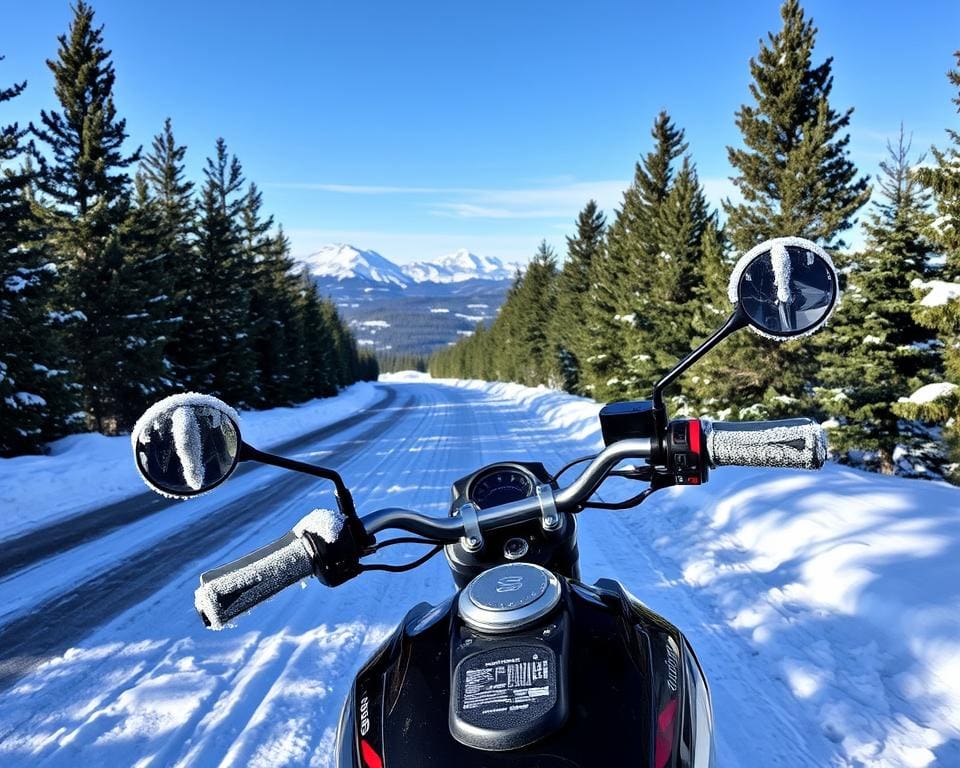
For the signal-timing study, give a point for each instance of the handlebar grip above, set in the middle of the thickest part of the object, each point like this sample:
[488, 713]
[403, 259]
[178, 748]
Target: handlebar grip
[226, 592]
[789, 443]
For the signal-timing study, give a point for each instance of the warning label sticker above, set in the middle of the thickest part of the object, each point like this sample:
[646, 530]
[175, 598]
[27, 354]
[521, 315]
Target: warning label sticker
[514, 680]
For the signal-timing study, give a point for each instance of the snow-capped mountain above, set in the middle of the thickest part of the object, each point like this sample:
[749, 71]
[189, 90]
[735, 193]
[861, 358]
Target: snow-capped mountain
[457, 267]
[414, 308]
[344, 262]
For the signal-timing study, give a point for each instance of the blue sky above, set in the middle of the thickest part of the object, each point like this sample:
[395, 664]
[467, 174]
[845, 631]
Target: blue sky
[417, 128]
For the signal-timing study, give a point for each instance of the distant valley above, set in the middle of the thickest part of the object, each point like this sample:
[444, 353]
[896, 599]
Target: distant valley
[411, 308]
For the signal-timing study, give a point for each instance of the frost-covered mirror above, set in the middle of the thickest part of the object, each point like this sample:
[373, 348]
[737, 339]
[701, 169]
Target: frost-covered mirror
[785, 287]
[186, 444]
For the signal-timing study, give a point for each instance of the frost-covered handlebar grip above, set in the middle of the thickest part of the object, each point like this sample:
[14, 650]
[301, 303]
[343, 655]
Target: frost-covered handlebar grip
[790, 443]
[226, 592]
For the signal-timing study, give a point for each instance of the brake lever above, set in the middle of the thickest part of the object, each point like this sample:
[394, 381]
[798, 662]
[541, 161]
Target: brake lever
[644, 474]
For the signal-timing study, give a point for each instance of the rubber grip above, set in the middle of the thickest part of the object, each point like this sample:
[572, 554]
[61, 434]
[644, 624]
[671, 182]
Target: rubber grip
[790, 443]
[226, 592]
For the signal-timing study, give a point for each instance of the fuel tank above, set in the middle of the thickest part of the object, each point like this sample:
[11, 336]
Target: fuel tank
[526, 668]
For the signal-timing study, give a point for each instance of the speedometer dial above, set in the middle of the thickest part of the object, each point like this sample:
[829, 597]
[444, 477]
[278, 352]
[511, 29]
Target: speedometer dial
[500, 485]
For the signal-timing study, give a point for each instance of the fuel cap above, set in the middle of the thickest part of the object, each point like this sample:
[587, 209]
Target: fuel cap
[509, 597]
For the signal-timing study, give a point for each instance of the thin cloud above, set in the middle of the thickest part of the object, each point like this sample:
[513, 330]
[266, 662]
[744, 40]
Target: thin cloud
[355, 189]
[470, 211]
[562, 200]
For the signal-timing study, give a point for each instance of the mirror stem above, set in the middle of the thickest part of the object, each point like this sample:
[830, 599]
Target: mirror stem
[249, 453]
[735, 322]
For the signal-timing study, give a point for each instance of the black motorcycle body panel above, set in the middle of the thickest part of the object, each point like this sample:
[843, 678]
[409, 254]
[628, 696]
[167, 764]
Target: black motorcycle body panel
[627, 690]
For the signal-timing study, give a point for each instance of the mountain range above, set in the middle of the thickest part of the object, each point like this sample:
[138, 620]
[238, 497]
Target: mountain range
[410, 308]
[345, 262]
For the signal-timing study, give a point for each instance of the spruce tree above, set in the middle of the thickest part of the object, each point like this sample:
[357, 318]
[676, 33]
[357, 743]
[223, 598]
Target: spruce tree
[163, 168]
[943, 180]
[794, 172]
[878, 352]
[670, 303]
[140, 296]
[318, 369]
[796, 178]
[35, 398]
[534, 300]
[91, 223]
[568, 335]
[212, 351]
[625, 271]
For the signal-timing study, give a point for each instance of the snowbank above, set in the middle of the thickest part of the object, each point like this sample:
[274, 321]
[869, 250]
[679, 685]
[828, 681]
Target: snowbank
[83, 471]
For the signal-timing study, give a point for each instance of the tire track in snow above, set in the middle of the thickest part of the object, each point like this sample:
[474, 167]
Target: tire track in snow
[50, 628]
[250, 709]
[39, 544]
[214, 725]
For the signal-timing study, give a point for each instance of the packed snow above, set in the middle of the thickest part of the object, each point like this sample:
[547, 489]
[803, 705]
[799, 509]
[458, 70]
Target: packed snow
[822, 606]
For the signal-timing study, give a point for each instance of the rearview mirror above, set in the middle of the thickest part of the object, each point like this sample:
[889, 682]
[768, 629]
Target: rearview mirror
[186, 444]
[785, 288]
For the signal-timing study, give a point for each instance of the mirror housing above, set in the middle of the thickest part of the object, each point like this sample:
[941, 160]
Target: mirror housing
[784, 288]
[186, 445]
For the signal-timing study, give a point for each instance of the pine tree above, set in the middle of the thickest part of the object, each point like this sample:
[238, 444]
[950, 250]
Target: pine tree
[165, 172]
[211, 351]
[163, 168]
[670, 303]
[537, 364]
[878, 352]
[35, 399]
[794, 174]
[318, 370]
[274, 320]
[944, 317]
[568, 336]
[92, 224]
[796, 178]
[625, 271]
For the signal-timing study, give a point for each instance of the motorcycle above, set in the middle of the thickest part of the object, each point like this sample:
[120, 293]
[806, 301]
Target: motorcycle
[526, 665]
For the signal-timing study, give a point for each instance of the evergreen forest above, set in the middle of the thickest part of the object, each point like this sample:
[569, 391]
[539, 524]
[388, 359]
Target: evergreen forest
[636, 293]
[121, 280]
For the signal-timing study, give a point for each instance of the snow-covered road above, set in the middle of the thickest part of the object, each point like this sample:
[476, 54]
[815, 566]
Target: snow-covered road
[131, 678]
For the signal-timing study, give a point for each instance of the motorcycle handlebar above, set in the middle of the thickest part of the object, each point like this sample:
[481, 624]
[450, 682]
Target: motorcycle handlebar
[789, 443]
[325, 544]
[226, 592]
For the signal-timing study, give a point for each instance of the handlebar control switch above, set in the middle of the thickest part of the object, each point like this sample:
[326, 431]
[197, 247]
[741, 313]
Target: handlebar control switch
[686, 452]
[336, 559]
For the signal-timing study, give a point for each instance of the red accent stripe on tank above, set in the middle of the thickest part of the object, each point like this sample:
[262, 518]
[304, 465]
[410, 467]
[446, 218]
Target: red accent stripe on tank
[370, 757]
